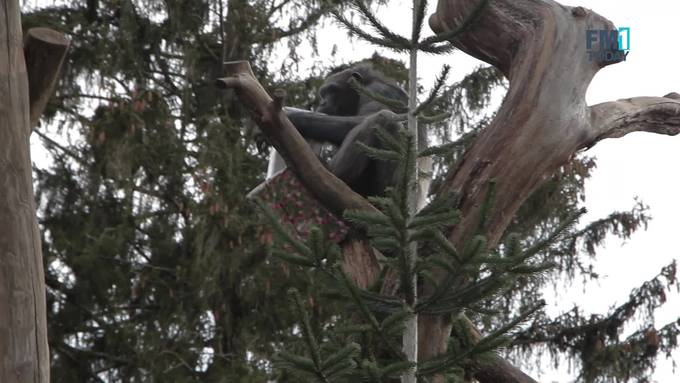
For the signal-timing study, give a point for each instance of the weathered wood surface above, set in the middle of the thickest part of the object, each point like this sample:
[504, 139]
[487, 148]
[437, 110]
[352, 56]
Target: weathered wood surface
[24, 356]
[45, 50]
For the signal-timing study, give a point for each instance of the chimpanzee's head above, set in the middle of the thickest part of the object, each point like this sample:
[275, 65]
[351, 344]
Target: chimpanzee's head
[336, 95]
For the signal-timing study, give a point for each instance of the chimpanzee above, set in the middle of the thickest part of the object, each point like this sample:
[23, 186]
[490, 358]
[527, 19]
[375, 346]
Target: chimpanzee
[344, 117]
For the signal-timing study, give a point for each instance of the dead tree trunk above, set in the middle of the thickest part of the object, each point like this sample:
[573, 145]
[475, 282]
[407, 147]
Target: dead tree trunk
[540, 46]
[543, 122]
[24, 354]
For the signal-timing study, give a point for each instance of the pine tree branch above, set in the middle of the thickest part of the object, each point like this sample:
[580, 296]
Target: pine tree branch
[383, 30]
[419, 13]
[440, 81]
[353, 29]
[62, 148]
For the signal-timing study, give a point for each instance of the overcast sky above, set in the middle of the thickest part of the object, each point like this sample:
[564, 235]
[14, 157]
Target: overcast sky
[639, 165]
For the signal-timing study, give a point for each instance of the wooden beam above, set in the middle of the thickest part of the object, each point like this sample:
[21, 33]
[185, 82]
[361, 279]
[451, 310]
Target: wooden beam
[45, 50]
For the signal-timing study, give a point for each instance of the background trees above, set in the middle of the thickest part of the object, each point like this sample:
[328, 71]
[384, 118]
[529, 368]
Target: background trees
[155, 265]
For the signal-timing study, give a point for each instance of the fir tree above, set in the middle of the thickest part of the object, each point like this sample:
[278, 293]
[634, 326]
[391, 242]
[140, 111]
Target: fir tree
[155, 267]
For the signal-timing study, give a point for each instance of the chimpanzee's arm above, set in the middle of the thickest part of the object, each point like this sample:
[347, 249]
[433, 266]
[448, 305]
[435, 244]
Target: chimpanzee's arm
[365, 175]
[322, 127]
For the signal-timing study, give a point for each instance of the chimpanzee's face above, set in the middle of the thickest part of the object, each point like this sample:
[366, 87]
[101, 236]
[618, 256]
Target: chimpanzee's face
[337, 98]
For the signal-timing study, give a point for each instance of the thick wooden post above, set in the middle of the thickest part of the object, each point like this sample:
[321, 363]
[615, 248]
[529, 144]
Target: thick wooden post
[24, 354]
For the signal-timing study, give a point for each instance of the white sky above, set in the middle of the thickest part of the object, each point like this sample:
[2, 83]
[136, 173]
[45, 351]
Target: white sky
[642, 165]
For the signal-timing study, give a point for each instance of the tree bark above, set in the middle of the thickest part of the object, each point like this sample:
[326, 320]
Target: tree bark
[23, 330]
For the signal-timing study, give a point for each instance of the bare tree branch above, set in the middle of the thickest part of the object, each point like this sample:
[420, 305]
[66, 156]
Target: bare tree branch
[614, 119]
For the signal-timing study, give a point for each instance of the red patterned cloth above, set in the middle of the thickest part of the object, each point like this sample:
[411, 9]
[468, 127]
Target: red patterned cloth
[296, 207]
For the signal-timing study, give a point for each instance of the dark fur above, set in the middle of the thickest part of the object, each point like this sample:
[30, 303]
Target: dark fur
[345, 117]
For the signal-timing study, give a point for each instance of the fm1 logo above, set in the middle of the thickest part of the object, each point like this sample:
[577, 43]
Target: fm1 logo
[607, 45]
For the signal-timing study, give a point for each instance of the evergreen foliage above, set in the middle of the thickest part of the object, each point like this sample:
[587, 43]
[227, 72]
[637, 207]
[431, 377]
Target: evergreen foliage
[156, 268]
[472, 275]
